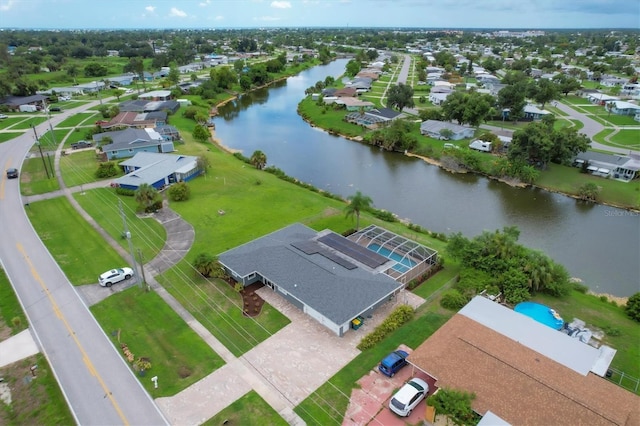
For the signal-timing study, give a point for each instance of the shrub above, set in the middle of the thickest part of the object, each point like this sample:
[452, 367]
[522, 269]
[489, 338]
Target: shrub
[179, 192]
[580, 288]
[401, 315]
[454, 404]
[453, 300]
[384, 215]
[125, 192]
[632, 308]
[106, 170]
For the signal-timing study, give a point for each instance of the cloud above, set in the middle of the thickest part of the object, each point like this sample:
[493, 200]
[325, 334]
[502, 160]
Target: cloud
[6, 6]
[177, 13]
[150, 9]
[205, 3]
[219, 18]
[266, 18]
[281, 4]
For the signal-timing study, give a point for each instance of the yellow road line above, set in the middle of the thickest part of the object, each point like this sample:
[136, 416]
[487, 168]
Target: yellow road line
[72, 333]
[4, 179]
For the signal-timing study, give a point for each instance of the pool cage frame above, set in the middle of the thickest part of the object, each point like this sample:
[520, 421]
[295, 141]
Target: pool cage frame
[423, 257]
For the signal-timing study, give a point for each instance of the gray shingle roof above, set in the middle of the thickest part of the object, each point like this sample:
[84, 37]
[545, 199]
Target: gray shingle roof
[332, 290]
[153, 166]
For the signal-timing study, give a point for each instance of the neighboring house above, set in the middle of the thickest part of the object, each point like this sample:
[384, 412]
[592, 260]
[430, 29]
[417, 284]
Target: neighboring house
[636, 117]
[141, 105]
[623, 108]
[63, 91]
[532, 112]
[631, 89]
[345, 92]
[93, 87]
[434, 128]
[355, 104]
[329, 277]
[613, 82]
[495, 88]
[522, 371]
[156, 95]
[157, 170]
[123, 80]
[586, 93]
[437, 98]
[168, 133]
[621, 167]
[601, 98]
[137, 120]
[14, 102]
[129, 142]
[373, 118]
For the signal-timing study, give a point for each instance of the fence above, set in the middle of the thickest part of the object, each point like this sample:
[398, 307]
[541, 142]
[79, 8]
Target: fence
[623, 380]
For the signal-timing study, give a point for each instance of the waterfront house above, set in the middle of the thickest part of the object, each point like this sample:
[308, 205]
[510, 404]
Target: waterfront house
[157, 170]
[435, 128]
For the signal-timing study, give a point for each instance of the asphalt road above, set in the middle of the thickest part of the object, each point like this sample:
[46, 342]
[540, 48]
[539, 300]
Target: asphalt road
[97, 383]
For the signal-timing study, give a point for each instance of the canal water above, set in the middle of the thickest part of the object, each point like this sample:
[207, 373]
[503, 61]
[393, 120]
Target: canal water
[599, 244]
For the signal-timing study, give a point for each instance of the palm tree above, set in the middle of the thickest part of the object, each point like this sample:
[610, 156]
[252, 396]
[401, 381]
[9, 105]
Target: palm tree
[145, 195]
[357, 203]
[258, 159]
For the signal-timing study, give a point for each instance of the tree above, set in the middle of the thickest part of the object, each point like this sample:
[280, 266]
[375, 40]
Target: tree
[94, 69]
[258, 159]
[174, 75]
[512, 97]
[632, 308]
[353, 67]
[201, 133]
[372, 54]
[203, 163]
[400, 96]
[589, 192]
[245, 82]
[357, 203]
[208, 266]
[566, 84]
[533, 145]
[544, 91]
[146, 196]
[467, 108]
[73, 71]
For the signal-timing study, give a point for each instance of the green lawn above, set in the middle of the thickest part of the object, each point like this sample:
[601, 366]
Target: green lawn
[328, 118]
[573, 100]
[8, 122]
[11, 313]
[628, 138]
[569, 179]
[600, 137]
[79, 250]
[86, 118]
[245, 411]
[6, 136]
[33, 176]
[27, 122]
[621, 332]
[615, 119]
[147, 234]
[79, 167]
[151, 329]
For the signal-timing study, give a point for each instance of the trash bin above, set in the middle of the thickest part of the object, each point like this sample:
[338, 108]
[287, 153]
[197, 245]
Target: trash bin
[357, 322]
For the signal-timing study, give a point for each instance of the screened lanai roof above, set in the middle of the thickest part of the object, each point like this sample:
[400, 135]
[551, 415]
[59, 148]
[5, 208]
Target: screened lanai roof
[380, 240]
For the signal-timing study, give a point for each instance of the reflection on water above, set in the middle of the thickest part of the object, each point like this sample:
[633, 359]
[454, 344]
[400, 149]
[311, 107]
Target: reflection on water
[599, 244]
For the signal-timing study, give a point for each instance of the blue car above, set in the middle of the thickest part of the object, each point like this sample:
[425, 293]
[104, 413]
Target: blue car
[392, 363]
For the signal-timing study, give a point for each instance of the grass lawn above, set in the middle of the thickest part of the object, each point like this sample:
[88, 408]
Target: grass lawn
[327, 405]
[147, 234]
[49, 141]
[33, 177]
[78, 119]
[569, 179]
[27, 122]
[628, 138]
[11, 314]
[328, 118]
[79, 250]
[603, 134]
[615, 119]
[573, 100]
[7, 136]
[151, 329]
[245, 411]
[621, 332]
[8, 122]
[79, 167]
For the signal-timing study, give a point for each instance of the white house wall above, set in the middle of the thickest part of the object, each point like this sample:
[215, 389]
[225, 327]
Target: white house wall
[322, 319]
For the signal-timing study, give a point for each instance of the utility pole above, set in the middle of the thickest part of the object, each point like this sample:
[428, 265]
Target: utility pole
[98, 90]
[53, 135]
[127, 235]
[40, 148]
[144, 279]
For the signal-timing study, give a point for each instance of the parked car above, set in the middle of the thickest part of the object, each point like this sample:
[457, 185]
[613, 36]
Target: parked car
[55, 109]
[3, 116]
[408, 397]
[12, 173]
[392, 363]
[115, 276]
[80, 145]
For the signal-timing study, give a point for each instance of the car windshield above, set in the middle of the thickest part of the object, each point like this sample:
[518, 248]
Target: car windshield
[417, 386]
[397, 404]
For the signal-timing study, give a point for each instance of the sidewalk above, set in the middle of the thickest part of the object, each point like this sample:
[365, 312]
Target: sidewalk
[17, 347]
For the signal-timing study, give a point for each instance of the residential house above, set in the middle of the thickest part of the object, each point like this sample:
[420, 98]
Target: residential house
[601, 98]
[14, 102]
[123, 80]
[522, 371]
[345, 92]
[137, 120]
[438, 98]
[623, 108]
[613, 82]
[92, 87]
[156, 95]
[434, 129]
[631, 89]
[374, 118]
[532, 112]
[621, 167]
[333, 279]
[355, 104]
[129, 142]
[157, 170]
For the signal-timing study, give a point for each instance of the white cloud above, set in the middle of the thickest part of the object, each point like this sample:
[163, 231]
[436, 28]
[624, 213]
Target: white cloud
[150, 9]
[281, 4]
[205, 3]
[177, 13]
[6, 6]
[219, 18]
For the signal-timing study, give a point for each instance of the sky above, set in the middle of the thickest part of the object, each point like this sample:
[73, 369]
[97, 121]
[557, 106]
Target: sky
[182, 14]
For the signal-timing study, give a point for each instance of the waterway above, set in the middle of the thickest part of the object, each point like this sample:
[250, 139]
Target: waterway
[599, 244]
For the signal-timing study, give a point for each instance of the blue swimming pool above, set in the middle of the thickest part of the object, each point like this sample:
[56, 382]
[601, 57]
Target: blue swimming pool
[403, 265]
[541, 313]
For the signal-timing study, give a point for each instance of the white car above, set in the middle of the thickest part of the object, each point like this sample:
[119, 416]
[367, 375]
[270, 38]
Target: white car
[408, 397]
[115, 276]
[3, 116]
